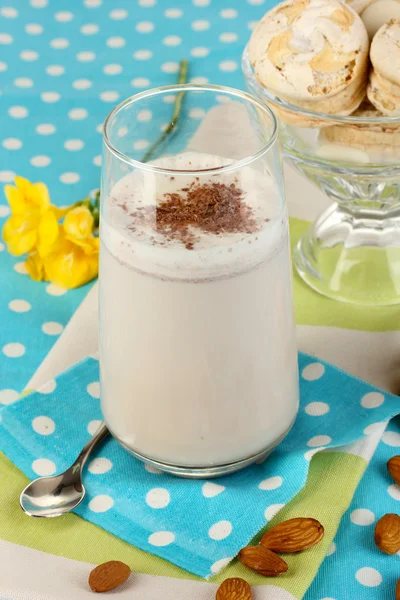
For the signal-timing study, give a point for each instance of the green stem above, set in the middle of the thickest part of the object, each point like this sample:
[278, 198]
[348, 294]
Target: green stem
[183, 71]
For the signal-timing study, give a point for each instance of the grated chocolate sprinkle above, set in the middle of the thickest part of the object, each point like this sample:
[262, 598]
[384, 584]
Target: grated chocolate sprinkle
[214, 208]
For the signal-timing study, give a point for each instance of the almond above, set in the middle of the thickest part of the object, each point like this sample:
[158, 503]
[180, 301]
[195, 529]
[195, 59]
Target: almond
[393, 467]
[234, 588]
[398, 590]
[293, 535]
[262, 560]
[387, 533]
[108, 576]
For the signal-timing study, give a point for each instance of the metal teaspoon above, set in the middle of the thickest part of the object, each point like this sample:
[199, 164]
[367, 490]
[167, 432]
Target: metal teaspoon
[59, 494]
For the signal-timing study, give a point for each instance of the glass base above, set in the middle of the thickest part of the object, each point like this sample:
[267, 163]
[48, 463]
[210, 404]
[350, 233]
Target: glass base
[208, 472]
[352, 258]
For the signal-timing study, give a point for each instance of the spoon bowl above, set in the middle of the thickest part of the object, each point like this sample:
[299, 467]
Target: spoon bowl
[52, 496]
[59, 494]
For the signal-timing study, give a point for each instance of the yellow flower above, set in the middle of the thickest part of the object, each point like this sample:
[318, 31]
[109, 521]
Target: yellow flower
[27, 197]
[19, 233]
[33, 221]
[73, 259]
[66, 254]
[78, 224]
[72, 264]
[35, 266]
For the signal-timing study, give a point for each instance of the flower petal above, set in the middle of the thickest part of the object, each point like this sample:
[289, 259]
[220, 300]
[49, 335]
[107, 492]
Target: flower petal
[35, 267]
[89, 245]
[40, 196]
[48, 231]
[78, 223]
[15, 199]
[70, 267]
[19, 233]
[59, 211]
[24, 185]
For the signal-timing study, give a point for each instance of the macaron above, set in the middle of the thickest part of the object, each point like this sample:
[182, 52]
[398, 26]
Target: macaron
[312, 53]
[384, 84]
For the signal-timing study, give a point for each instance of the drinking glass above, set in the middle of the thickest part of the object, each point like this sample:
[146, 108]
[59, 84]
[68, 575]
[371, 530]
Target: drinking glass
[197, 335]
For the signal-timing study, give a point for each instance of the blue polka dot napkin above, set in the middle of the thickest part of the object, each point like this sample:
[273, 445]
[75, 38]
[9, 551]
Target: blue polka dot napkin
[197, 525]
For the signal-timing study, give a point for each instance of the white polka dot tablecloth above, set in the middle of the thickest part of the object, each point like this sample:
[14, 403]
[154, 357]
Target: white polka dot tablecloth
[196, 525]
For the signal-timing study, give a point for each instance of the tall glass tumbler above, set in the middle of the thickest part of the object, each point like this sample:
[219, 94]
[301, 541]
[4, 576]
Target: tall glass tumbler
[197, 336]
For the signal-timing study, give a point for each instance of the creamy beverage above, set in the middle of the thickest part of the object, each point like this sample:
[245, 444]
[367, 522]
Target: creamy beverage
[198, 353]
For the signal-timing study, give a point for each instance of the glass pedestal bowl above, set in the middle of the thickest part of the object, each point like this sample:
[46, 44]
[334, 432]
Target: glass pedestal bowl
[352, 252]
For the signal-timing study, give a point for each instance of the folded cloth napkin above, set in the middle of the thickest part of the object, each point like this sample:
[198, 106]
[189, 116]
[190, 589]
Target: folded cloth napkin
[196, 525]
[355, 568]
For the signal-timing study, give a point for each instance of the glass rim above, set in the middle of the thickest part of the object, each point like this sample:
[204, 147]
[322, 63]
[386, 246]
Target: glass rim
[187, 87]
[261, 91]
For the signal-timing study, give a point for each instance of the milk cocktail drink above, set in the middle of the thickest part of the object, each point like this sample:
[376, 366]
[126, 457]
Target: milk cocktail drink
[198, 351]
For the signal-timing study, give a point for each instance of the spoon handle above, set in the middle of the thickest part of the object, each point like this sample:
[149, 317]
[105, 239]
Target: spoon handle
[100, 434]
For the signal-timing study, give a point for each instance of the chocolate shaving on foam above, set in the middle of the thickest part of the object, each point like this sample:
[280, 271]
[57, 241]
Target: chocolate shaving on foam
[214, 208]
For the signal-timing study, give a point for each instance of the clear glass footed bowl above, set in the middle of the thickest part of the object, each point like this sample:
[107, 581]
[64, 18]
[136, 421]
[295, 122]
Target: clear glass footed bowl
[352, 252]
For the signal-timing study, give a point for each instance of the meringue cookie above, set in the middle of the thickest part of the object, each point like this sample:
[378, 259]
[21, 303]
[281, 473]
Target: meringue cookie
[378, 13]
[374, 138]
[385, 51]
[384, 85]
[359, 5]
[385, 96]
[313, 53]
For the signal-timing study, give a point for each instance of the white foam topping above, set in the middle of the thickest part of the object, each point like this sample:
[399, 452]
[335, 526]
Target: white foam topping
[142, 247]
